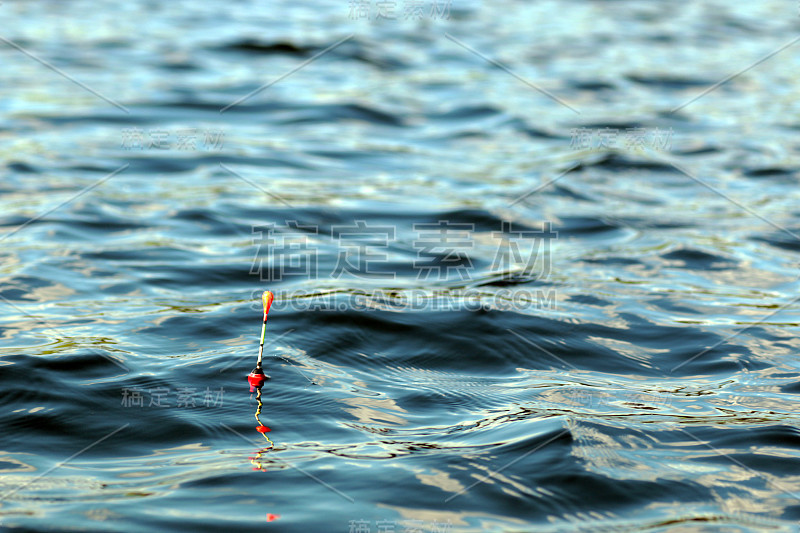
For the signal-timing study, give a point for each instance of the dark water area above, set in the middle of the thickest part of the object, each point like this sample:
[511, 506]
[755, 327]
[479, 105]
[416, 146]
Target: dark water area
[535, 266]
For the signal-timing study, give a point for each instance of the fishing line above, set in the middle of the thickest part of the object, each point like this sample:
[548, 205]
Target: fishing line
[257, 379]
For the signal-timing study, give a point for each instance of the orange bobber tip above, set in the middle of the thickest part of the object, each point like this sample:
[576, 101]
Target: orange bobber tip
[266, 299]
[263, 429]
[272, 517]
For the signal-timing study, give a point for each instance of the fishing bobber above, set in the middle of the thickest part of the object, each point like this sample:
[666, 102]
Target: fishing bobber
[257, 376]
[257, 379]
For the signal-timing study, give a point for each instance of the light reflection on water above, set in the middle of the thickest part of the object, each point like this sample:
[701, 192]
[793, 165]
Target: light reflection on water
[649, 385]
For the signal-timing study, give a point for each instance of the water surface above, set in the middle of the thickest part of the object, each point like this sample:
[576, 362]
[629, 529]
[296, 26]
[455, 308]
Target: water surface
[632, 368]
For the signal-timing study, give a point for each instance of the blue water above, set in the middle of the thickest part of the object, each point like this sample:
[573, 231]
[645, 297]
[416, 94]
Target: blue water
[535, 266]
